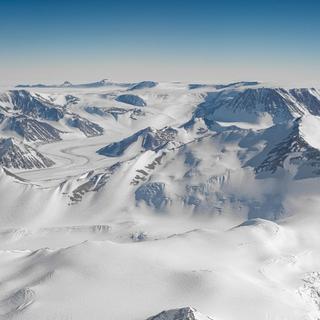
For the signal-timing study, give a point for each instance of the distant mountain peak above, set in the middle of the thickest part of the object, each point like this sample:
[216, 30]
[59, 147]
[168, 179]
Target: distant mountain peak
[67, 84]
[144, 85]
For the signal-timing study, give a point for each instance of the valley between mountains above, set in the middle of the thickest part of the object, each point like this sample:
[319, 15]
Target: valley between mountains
[159, 201]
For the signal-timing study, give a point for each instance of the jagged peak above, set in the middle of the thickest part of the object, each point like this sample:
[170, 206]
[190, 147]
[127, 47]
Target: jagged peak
[18, 155]
[152, 139]
[298, 151]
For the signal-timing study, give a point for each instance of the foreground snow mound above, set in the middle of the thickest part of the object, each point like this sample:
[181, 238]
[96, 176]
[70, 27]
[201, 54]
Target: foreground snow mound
[131, 99]
[17, 155]
[261, 226]
[186, 313]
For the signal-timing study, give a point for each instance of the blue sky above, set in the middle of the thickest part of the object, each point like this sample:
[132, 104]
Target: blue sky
[211, 41]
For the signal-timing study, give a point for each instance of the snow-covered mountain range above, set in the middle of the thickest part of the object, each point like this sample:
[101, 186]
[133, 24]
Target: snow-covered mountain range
[160, 196]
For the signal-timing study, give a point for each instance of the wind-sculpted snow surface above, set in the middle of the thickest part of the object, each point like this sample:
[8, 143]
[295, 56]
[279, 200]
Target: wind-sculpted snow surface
[170, 197]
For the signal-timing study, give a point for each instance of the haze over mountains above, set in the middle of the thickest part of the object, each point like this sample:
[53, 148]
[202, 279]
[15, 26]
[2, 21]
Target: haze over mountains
[162, 201]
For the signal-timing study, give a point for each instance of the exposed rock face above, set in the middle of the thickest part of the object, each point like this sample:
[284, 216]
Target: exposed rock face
[157, 139]
[294, 152]
[90, 182]
[153, 194]
[144, 85]
[310, 290]
[66, 84]
[21, 156]
[116, 113]
[33, 130]
[132, 100]
[133, 113]
[2, 117]
[152, 139]
[251, 104]
[186, 313]
[70, 99]
[33, 105]
[88, 128]
[96, 110]
[309, 97]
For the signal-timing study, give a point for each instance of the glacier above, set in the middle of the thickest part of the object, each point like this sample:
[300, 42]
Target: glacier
[181, 200]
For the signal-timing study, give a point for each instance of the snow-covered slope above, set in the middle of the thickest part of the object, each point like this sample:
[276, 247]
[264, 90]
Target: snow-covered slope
[202, 195]
[31, 129]
[88, 128]
[144, 85]
[294, 153]
[33, 105]
[151, 139]
[14, 154]
[260, 105]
